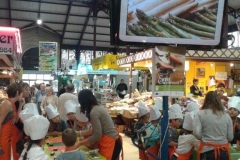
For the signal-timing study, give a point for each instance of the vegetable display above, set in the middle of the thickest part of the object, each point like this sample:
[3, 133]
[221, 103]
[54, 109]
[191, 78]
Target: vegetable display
[190, 19]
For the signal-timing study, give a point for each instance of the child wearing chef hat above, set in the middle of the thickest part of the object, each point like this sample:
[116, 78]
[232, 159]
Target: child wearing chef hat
[186, 141]
[159, 103]
[143, 115]
[70, 108]
[57, 125]
[192, 107]
[175, 121]
[155, 117]
[233, 111]
[36, 127]
[83, 123]
[143, 119]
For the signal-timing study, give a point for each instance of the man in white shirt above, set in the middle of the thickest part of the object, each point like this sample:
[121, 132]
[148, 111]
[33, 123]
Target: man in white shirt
[63, 98]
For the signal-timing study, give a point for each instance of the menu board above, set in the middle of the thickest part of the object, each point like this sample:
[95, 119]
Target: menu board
[168, 71]
[47, 56]
[192, 22]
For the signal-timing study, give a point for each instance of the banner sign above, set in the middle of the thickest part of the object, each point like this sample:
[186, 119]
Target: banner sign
[140, 56]
[47, 56]
[168, 71]
[221, 75]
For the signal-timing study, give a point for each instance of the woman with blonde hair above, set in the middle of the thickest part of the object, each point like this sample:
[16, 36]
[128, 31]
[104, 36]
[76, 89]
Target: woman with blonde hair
[213, 127]
[50, 98]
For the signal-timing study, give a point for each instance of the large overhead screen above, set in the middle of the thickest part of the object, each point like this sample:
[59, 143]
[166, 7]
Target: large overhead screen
[191, 22]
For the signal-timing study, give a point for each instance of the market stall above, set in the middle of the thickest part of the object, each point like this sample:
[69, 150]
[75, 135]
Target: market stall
[10, 53]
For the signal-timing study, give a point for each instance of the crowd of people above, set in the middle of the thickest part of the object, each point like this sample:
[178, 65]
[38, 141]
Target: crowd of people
[28, 115]
[211, 129]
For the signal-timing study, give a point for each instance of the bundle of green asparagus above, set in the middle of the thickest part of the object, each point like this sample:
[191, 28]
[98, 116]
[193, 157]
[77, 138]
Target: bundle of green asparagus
[175, 27]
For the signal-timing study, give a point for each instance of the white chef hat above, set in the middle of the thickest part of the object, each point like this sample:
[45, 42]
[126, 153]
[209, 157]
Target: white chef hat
[234, 102]
[51, 111]
[192, 107]
[70, 106]
[159, 103]
[175, 112]
[154, 113]
[142, 109]
[32, 107]
[80, 116]
[188, 121]
[238, 116]
[27, 113]
[36, 127]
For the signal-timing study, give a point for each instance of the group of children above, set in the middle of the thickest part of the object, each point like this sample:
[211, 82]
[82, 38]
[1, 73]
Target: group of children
[181, 141]
[36, 127]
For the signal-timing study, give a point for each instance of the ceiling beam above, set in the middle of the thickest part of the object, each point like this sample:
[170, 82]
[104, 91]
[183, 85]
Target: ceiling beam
[83, 30]
[46, 12]
[9, 12]
[66, 22]
[104, 34]
[87, 40]
[47, 2]
[39, 9]
[50, 22]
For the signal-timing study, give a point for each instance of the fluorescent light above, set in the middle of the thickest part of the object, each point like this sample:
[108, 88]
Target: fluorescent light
[39, 21]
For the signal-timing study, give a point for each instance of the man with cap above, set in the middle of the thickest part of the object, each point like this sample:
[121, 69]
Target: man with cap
[175, 121]
[36, 127]
[186, 141]
[63, 98]
[70, 108]
[233, 111]
[57, 125]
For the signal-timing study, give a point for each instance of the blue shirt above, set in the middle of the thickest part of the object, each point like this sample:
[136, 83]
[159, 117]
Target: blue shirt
[39, 92]
[72, 155]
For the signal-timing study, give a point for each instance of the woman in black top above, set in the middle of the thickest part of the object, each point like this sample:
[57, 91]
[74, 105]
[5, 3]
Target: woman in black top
[194, 88]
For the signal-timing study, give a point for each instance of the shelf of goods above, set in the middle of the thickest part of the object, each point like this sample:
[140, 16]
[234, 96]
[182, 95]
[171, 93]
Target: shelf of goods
[128, 107]
[106, 96]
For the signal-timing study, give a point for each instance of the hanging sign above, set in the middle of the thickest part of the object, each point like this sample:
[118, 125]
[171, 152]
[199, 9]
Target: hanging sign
[47, 56]
[140, 56]
[168, 71]
[221, 75]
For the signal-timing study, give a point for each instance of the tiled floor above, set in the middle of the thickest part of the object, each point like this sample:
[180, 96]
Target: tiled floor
[129, 150]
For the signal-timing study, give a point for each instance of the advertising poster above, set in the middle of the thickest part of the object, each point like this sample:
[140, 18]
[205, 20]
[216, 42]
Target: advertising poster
[47, 56]
[168, 71]
[171, 21]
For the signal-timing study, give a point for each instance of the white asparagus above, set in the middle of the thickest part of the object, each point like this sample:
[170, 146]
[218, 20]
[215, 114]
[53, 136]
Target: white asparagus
[208, 5]
[176, 7]
[165, 6]
[203, 2]
[134, 2]
[180, 10]
[146, 5]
